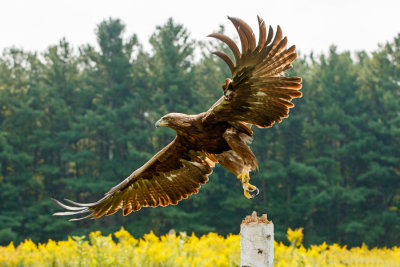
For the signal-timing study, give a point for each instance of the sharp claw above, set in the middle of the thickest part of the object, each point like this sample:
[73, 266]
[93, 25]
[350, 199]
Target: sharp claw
[251, 188]
[247, 188]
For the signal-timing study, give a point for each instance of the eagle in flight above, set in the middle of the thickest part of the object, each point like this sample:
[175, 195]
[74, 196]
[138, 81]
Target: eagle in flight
[258, 94]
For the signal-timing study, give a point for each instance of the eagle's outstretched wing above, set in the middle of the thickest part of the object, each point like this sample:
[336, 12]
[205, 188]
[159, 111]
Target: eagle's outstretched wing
[258, 94]
[172, 174]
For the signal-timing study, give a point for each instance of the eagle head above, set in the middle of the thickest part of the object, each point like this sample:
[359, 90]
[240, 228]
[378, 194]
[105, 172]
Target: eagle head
[176, 121]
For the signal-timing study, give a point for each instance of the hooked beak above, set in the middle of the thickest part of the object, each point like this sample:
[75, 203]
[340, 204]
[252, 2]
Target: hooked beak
[161, 122]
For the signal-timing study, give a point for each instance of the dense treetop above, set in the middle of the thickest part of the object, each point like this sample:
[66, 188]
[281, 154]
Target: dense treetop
[74, 122]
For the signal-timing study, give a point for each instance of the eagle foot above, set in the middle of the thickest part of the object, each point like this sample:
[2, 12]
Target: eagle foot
[247, 187]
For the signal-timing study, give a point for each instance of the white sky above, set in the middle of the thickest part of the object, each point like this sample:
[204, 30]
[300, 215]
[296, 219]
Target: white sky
[312, 25]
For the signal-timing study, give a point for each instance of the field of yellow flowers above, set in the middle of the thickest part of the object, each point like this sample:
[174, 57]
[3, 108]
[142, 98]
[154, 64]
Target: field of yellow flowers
[181, 250]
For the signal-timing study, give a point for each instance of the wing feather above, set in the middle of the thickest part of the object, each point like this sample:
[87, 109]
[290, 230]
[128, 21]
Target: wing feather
[231, 44]
[248, 32]
[259, 92]
[225, 58]
[127, 206]
[243, 38]
[171, 175]
[262, 38]
[270, 35]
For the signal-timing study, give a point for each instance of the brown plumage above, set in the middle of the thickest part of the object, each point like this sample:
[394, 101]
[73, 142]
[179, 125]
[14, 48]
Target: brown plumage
[258, 94]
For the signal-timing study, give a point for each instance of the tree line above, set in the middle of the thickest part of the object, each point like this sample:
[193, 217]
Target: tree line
[76, 121]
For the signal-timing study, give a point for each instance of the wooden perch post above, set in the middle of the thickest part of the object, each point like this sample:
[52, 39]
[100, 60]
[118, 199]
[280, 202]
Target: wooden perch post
[256, 241]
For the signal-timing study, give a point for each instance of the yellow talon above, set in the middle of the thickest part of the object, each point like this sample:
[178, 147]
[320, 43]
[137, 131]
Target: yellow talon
[247, 188]
[250, 187]
[245, 178]
[247, 194]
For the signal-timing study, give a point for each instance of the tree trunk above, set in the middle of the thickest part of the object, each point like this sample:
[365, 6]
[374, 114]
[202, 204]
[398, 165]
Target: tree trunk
[257, 242]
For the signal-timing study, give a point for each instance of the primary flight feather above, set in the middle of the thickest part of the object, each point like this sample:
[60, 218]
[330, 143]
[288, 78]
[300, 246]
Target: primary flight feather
[258, 94]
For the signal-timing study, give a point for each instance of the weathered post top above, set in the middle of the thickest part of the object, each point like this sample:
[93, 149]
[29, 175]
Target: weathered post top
[257, 241]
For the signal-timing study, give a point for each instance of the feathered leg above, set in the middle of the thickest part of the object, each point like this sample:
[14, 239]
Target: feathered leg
[238, 142]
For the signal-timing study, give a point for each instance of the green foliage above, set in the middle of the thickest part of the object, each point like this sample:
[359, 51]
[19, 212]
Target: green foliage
[73, 123]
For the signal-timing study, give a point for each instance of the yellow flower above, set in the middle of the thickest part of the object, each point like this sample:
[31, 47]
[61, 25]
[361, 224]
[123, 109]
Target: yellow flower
[184, 251]
[295, 237]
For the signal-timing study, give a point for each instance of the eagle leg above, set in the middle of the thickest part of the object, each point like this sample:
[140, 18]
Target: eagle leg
[247, 187]
[238, 142]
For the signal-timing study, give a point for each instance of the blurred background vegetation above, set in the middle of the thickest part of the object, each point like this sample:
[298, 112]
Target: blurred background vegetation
[76, 121]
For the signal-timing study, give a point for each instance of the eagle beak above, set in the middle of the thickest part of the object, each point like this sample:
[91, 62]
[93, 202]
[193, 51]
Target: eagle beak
[161, 122]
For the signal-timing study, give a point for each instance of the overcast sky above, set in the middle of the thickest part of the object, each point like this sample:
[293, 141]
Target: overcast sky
[312, 25]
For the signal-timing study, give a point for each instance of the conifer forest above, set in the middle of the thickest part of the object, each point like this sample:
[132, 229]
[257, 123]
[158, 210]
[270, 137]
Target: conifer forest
[75, 121]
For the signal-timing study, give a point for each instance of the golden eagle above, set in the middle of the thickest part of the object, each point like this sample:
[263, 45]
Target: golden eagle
[258, 94]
